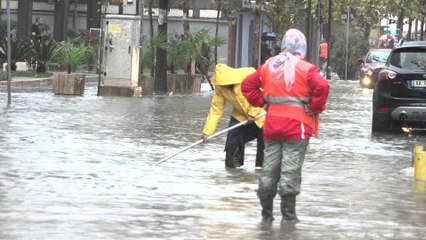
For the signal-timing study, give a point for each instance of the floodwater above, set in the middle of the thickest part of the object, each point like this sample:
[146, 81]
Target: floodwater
[84, 167]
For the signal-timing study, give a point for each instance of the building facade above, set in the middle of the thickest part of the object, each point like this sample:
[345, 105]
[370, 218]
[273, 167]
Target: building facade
[202, 14]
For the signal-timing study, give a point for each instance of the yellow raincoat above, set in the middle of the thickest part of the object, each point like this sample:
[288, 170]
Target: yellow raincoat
[227, 82]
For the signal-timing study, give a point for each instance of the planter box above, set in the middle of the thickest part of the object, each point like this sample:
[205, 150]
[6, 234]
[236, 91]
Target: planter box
[184, 83]
[177, 83]
[68, 84]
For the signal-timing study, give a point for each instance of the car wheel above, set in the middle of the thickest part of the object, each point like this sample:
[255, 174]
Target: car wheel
[379, 125]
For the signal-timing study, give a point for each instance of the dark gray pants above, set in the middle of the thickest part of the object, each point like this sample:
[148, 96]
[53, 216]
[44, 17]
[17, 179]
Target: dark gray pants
[236, 140]
[282, 168]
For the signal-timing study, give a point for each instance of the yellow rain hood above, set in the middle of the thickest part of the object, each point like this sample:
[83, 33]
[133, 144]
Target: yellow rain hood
[226, 75]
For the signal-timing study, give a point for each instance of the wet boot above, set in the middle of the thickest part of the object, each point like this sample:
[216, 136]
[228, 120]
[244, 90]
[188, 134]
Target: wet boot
[259, 157]
[234, 156]
[288, 209]
[267, 205]
[234, 148]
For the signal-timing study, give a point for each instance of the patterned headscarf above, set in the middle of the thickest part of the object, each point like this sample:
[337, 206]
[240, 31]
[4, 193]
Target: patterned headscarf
[294, 42]
[293, 48]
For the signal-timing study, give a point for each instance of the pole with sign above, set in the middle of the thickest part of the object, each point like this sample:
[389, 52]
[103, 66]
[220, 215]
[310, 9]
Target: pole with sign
[348, 16]
[347, 47]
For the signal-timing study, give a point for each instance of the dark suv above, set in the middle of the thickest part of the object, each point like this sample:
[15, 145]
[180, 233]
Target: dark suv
[399, 97]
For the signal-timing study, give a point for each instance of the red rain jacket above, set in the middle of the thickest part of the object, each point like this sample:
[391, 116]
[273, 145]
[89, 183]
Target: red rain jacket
[284, 128]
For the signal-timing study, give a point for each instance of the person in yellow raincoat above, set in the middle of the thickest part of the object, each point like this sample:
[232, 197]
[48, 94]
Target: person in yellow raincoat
[227, 83]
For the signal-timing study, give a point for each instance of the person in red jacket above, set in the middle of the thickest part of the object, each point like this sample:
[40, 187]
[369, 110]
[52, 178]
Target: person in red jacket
[294, 94]
[323, 54]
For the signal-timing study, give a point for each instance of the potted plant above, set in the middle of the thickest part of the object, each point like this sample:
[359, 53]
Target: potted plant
[71, 56]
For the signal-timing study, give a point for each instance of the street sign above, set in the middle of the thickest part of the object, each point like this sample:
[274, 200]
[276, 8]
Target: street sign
[344, 15]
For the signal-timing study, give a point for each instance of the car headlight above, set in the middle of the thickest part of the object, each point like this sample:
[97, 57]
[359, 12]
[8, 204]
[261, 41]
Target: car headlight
[366, 80]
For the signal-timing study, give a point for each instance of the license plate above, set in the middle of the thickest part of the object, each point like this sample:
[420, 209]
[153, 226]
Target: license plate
[418, 83]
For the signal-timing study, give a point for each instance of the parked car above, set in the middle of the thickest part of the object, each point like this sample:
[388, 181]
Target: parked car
[399, 97]
[371, 65]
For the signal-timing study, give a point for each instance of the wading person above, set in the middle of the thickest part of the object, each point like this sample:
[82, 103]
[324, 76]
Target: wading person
[295, 94]
[323, 54]
[227, 89]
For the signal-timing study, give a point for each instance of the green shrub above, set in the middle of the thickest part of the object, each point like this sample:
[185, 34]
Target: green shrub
[3, 27]
[71, 55]
[92, 56]
[43, 52]
[20, 51]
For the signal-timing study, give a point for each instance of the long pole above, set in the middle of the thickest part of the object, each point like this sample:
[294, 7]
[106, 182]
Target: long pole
[9, 58]
[347, 45]
[210, 137]
[329, 39]
[102, 12]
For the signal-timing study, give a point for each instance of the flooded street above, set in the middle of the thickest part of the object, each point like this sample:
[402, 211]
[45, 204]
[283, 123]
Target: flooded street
[82, 167]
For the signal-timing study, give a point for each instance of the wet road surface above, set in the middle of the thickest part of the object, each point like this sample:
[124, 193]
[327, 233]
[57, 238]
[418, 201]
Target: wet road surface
[82, 167]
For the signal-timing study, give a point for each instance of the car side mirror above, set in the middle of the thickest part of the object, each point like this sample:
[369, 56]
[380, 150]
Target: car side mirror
[361, 60]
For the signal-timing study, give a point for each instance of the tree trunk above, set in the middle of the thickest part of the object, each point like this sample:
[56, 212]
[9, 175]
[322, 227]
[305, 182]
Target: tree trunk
[400, 23]
[256, 34]
[367, 31]
[410, 21]
[75, 15]
[160, 84]
[25, 8]
[185, 16]
[93, 16]
[151, 39]
[309, 34]
[216, 35]
[61, 21]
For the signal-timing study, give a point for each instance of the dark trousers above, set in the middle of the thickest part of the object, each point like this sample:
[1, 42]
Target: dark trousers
[236, 140]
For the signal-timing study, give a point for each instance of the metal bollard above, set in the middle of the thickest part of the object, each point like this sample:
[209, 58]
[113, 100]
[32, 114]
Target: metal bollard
[419, 163]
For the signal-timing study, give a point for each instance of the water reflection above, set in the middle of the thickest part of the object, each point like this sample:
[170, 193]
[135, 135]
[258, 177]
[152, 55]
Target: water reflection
[82, 168]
